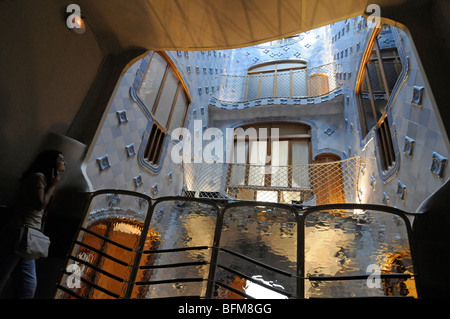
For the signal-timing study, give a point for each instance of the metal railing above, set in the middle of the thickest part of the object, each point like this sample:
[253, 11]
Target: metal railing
[306, 185]
[195, 248]
[304, 83]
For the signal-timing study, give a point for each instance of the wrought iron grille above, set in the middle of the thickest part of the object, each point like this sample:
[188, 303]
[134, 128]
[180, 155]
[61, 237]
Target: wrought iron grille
[306, 185]
[132, 246]
[304, 83]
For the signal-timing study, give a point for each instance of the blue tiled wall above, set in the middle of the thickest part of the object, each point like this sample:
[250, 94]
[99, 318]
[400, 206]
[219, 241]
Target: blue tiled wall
[342, 43]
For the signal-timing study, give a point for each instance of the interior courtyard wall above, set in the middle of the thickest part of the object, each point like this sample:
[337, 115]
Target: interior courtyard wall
[411, 121]
[201, 71]
[123, 170]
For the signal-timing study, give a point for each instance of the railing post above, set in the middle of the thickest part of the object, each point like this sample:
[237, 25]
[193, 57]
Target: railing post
[214, 254]
[139, 250]
[300, 256]
[246, 88]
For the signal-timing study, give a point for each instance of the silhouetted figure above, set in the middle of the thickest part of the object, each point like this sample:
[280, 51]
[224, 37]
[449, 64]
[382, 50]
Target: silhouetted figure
[38, 184]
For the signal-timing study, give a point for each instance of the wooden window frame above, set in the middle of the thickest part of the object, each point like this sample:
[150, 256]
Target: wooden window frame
[155, 144]
[181, 86]
[372, 48]
[153, 147]
[267, 177]
[386, 147]
[273, 71]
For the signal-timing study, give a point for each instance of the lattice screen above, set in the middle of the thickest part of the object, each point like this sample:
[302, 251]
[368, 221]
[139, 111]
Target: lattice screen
[307, 185]
[311, 82]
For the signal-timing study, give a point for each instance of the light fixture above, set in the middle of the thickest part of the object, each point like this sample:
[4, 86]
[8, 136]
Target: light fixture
[80, 26]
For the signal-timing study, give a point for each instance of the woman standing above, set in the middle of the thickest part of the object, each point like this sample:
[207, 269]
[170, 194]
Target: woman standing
[38, 184]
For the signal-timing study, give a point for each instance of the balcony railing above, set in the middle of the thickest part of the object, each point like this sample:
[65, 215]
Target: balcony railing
[130, 246]
[304, 83]
[306, 185]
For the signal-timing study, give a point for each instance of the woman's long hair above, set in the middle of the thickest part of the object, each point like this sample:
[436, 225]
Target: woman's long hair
[44, 163]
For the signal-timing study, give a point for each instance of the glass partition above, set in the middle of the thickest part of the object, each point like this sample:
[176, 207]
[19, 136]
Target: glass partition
[176, 258]
[100, 264]
[357, 253]
[128, 247]
[257, 255]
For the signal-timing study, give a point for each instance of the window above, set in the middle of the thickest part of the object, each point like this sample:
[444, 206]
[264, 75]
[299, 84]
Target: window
[261, 168]
[387, 153]
[378, 75]
[165, 97]
[154, 144]
[328, 179]
[280, 79]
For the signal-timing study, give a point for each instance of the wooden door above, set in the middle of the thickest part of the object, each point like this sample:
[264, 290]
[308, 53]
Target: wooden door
[328, 182]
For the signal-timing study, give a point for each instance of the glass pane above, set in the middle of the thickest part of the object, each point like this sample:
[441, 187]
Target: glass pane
[376, 81]
[179, 110]
[253, 86]
[367, 111]
[289, 65]
[392, 69]
[239, 164]
[299, 83]
[268, 67]
[267, 196]
[258, 152]
[267, 235]
[290, 129]
[240, 151]
[300, 161]
[257, 161]
[267, 85]
[284, 84]
[152, 80]
[366, 106]
[280, 160]
[177, 225]
[114, 225]
[165, 102]
[355, 242]
[290, 197]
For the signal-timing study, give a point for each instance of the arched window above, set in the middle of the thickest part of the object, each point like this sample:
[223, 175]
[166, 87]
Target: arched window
[276, 79]
[378, 76]
[163, 93]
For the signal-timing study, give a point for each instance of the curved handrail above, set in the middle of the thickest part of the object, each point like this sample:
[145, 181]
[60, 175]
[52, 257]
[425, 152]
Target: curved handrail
[300, 215]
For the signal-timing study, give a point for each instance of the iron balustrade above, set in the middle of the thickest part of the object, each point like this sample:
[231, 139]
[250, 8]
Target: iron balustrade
[303, 83]
[308, 184]
[211, 282]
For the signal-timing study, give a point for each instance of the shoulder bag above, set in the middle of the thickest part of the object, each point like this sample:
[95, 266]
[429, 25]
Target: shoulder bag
[33, 244]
